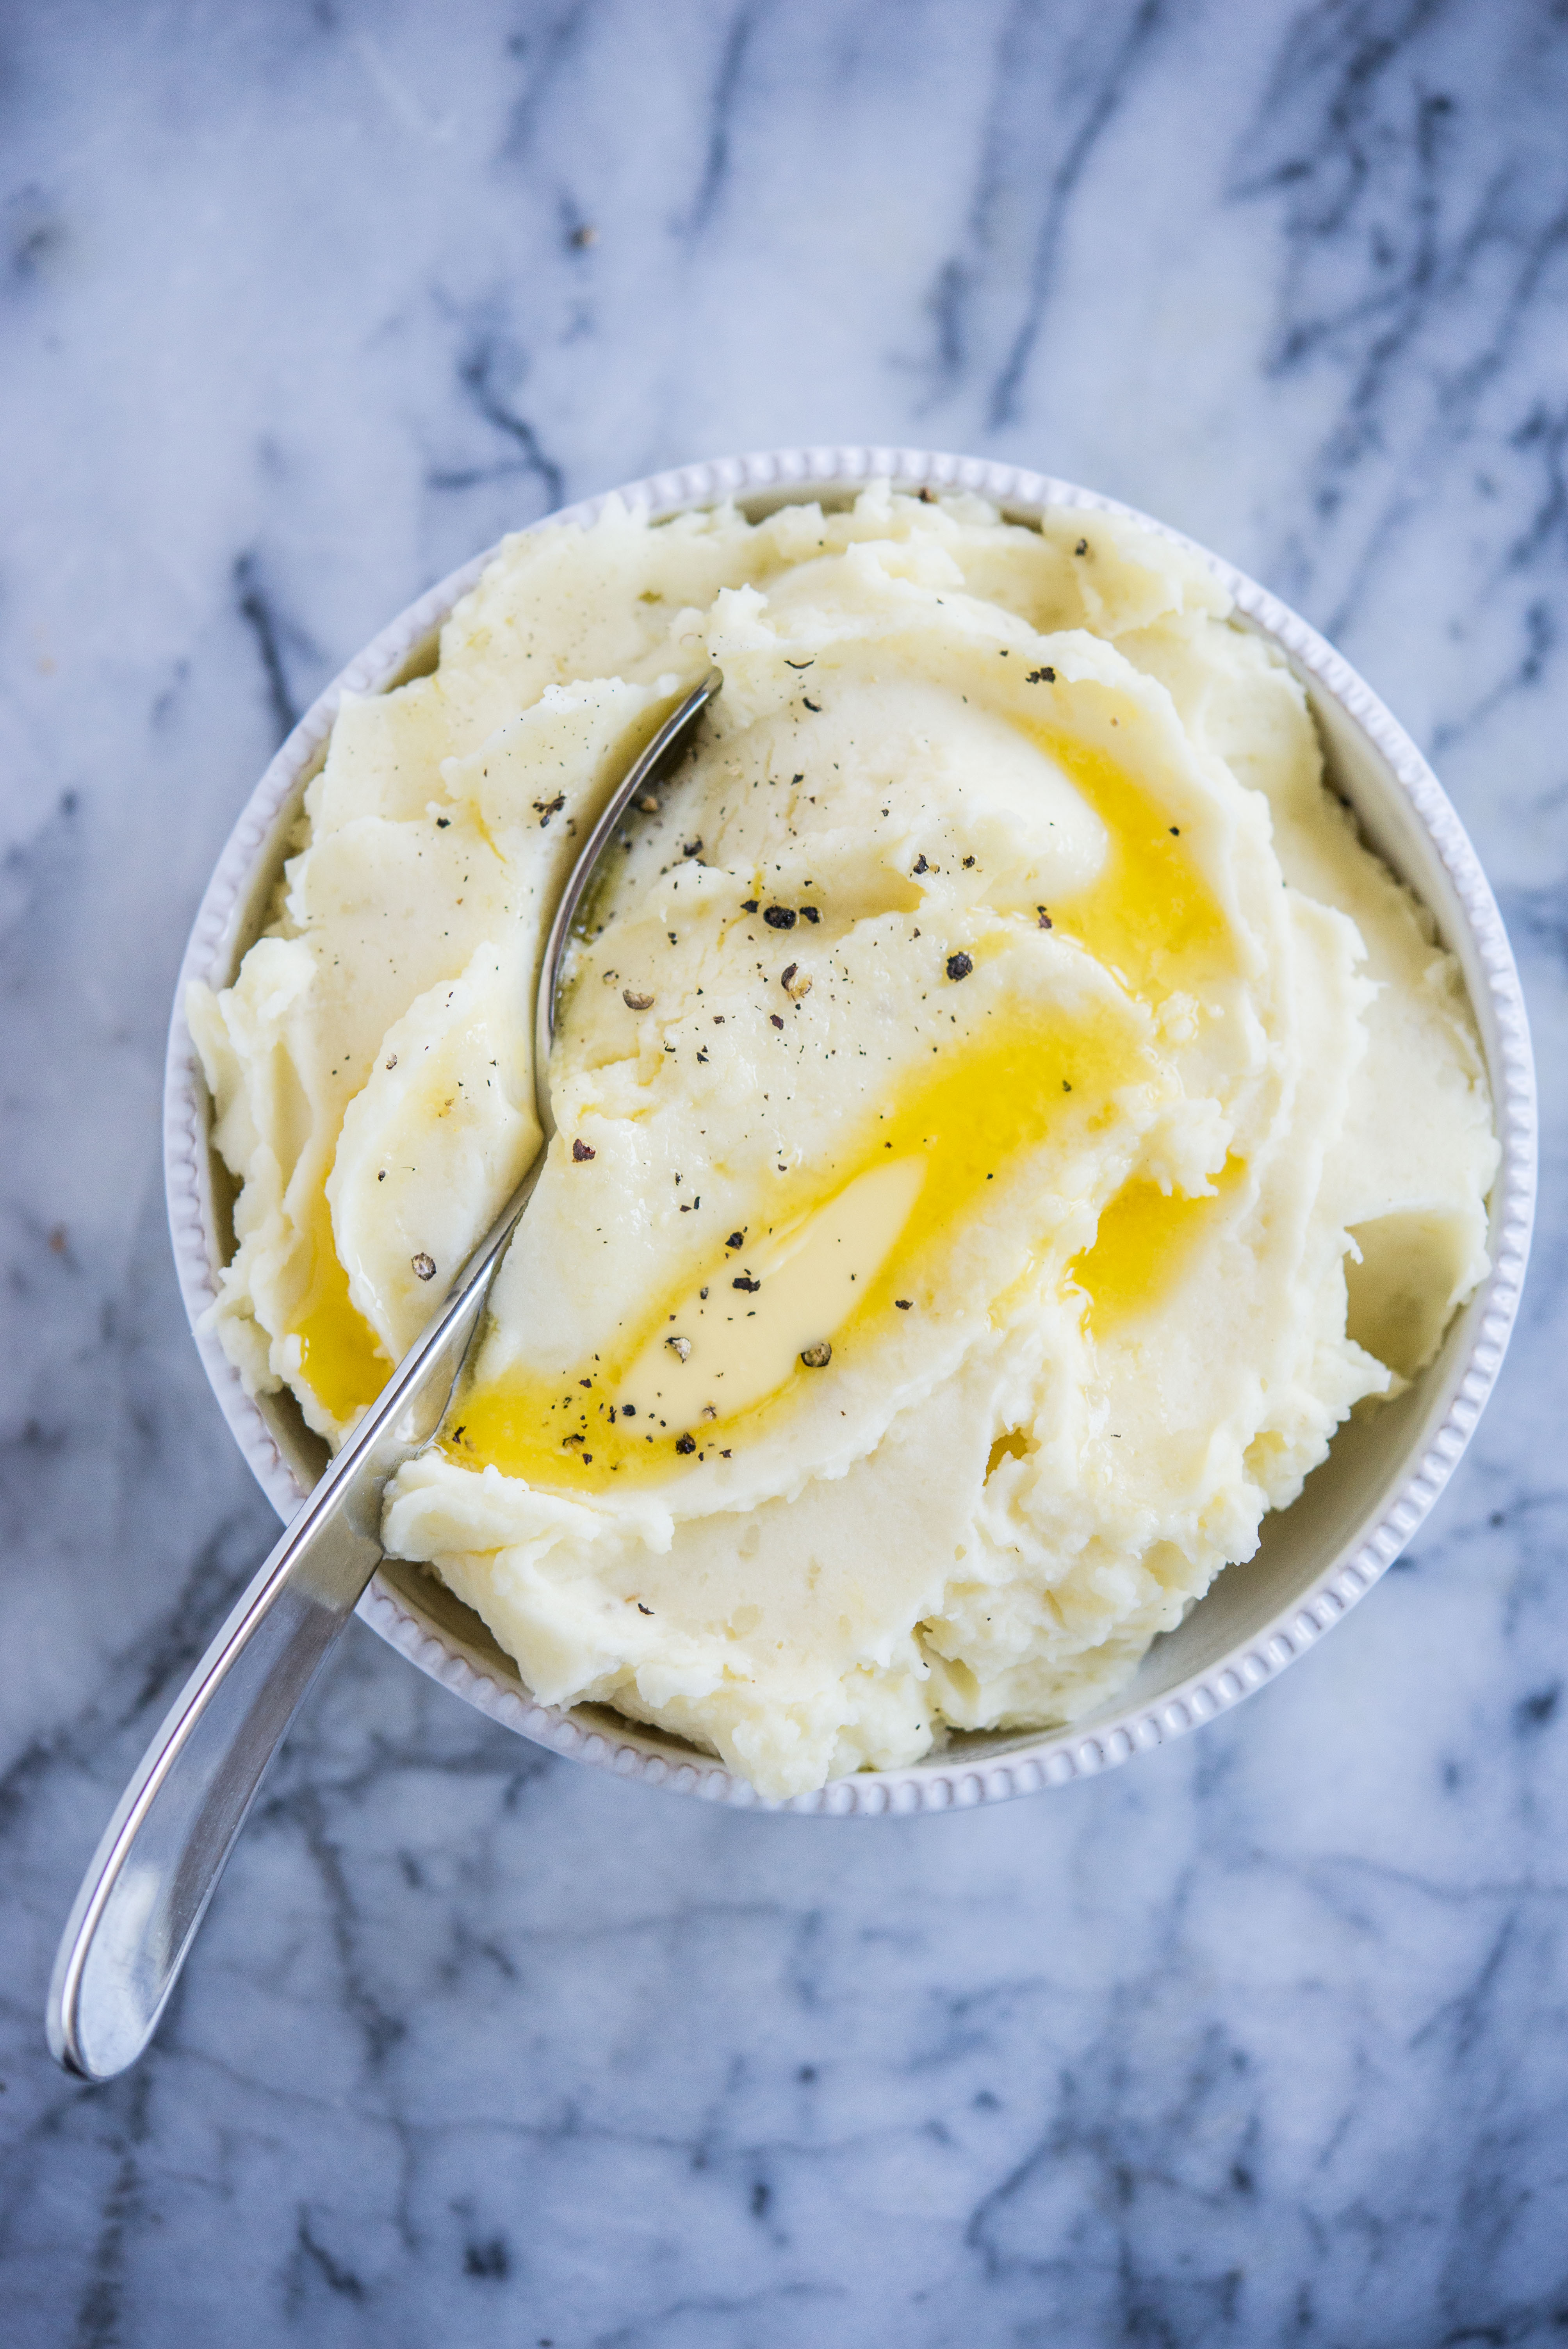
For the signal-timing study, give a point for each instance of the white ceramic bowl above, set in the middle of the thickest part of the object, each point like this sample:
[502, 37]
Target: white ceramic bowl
[1315, 1560]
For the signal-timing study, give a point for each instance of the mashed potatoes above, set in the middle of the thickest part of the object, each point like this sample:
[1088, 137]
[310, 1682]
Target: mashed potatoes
[1005, 1118]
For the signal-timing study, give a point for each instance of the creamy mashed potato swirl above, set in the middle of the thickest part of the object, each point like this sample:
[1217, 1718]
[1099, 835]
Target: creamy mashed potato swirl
[1007, 1119]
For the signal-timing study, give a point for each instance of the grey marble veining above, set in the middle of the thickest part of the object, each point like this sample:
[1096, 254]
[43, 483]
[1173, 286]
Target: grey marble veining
[1262, 2040]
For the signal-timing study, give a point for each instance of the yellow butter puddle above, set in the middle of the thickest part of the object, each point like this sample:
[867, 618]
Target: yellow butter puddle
[1149, 916]
[847, 1250]
[805, 1280]
[342, 1360]
[1145, 1239]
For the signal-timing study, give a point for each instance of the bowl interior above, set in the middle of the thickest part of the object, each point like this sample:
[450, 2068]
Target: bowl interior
[1371, 1458]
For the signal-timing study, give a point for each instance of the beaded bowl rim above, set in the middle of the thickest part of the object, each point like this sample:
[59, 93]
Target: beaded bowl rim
[952, 1777]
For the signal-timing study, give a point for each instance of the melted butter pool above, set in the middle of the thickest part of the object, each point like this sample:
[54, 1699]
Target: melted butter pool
[738, 1334]
[1149, 916]
[341, 1358]
[864, 1240]
[1145, 1241]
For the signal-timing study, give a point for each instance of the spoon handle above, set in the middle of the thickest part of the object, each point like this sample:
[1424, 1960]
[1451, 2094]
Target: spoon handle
[166, 1845]
[163, 1851]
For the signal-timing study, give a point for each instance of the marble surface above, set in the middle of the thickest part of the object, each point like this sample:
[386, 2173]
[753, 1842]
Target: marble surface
[1263, 2039]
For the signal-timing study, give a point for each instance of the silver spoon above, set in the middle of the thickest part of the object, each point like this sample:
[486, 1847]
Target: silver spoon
[163, 1851]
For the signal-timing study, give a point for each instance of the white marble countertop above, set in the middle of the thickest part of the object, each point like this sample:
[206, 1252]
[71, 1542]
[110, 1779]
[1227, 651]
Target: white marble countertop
[1261, 2039]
